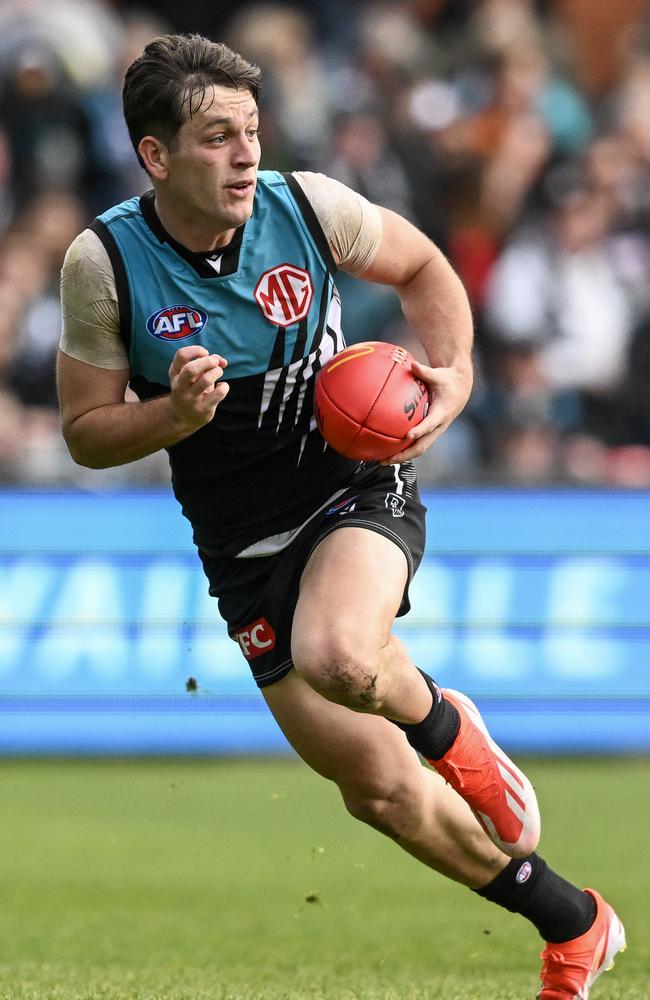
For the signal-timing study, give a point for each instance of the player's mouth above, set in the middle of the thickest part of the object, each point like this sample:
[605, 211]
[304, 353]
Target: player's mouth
[240, 189]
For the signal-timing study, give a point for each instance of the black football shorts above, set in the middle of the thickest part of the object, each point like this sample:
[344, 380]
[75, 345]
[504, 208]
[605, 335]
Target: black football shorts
[258, 595]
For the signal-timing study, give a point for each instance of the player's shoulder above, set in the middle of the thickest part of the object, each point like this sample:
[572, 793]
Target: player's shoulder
[86, 254]
[312, 182]
[335, 204]
[123, 209]
[316, 184]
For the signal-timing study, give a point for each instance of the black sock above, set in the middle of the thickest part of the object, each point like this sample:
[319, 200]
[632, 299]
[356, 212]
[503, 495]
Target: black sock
[558, 910]
[436, 733]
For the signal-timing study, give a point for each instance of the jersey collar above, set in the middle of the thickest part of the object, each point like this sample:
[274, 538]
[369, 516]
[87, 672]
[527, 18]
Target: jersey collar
[211, 263]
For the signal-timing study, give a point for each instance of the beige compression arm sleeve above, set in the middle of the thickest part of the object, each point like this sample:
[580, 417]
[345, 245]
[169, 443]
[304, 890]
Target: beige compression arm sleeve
[91, 328]
[351, 224]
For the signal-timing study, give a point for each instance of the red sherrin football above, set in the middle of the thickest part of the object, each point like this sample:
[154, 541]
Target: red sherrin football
[366, 400]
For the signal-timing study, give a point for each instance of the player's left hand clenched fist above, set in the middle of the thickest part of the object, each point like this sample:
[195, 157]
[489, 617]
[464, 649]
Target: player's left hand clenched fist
[196, 389]
[449, 389]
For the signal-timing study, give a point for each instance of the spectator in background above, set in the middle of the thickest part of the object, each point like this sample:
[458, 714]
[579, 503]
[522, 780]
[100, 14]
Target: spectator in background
[281, 41]
[10, 409]
[82, 36]
[120, 177]
[522, 417]
[597, 39]
[570, 294]
[6, 191]
[30, 260]
[634, 398]
[362, 158]
[46, 127]
[61, 66]
[619, 161]
[52, 220]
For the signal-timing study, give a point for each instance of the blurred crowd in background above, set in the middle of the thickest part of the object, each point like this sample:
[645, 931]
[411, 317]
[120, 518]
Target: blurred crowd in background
[515, 133]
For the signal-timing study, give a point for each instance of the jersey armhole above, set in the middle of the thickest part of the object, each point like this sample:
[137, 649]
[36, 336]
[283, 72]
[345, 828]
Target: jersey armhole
[311, 221]
[121, 280]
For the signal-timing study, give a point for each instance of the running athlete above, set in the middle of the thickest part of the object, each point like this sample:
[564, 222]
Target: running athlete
[213, 297]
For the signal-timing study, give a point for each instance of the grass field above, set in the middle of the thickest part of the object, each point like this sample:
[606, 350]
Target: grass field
[191, 880]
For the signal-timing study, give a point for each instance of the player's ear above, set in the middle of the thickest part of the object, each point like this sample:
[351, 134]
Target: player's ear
[155, 157]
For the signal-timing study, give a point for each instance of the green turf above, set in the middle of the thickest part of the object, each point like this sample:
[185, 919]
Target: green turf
[238, 880]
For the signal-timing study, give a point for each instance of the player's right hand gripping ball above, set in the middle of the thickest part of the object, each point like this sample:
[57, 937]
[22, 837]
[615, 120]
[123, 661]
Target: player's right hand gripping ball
[366, 400]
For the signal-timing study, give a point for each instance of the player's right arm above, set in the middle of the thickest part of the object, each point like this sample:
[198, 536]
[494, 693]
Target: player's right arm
[100, 427]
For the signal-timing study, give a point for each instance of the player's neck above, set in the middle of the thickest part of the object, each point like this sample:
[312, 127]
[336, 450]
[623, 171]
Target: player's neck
[193, 235]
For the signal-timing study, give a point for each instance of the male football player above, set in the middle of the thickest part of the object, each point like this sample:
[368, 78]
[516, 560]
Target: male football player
[213, 297]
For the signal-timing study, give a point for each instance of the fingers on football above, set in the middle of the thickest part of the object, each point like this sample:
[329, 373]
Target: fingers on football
[421, 371]
[418, 447]
[435, 422]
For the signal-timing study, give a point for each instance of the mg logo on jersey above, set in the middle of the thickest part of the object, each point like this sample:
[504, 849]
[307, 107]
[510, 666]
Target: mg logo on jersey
[255, 639]
[176, 322]
[284, 294]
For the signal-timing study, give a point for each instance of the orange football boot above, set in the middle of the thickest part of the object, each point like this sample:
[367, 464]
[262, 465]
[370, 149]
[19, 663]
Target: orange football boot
[571, 968]
[501, 797]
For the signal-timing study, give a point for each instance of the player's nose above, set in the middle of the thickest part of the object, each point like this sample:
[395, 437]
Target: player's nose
[245, 152]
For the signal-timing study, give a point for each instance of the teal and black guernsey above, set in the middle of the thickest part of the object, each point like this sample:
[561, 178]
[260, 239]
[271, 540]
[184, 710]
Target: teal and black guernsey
[268, 304]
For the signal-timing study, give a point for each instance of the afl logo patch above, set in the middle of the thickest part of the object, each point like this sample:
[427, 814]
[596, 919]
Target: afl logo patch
[524, 873]
[176, 322]
[284, 294]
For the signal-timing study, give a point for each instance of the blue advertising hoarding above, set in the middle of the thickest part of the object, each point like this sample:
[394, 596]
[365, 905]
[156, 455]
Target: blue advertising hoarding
[534, 603]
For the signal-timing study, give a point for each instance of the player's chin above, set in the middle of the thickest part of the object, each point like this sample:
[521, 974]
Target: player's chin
[239, 205]
[239, 214]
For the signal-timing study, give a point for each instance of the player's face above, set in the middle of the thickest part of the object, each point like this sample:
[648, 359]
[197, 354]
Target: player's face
[212, 168]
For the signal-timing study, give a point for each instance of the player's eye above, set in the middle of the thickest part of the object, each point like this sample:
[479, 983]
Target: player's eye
[217, 140]
[252, 133]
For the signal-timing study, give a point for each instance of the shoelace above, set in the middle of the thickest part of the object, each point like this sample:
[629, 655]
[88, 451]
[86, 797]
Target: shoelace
[492, 786]
[557, 965]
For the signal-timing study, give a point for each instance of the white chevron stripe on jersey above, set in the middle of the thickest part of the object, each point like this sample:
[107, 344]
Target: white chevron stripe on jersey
[333, 321]
[330, 344]
[270, 382]
[289, 386]
[303, 439]
[301, 394]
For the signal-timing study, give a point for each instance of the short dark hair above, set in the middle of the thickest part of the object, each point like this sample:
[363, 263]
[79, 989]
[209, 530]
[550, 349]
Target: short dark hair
[166, 85]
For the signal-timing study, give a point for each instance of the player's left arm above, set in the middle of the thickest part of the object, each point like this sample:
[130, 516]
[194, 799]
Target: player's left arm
[435, 305]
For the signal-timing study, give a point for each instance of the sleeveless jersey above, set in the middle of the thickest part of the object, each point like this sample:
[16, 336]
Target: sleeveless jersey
[260, 466]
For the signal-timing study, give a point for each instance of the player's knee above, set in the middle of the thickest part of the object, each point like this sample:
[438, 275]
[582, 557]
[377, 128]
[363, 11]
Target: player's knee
[341, 669]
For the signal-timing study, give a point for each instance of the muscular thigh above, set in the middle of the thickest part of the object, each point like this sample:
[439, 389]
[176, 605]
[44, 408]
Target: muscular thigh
[356, 578]
[354, 582]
